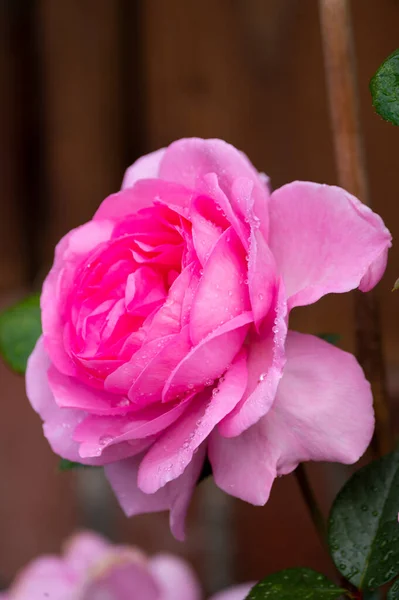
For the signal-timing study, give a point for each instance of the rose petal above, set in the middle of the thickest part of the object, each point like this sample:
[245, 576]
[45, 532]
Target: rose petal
[146, 167]
[323, 411]
[189, 160]
[172, 452]
[60, 423]
[68, 255]
[149, 384]
[69, 392]
[175, 496]
[97, 433]
[209, 359]
[121, 573]
[266, 360]
[46, 576]
[121, 380]
[324, 240]
[261, 276]
[222, 293]
[175, 578]
[209, 186]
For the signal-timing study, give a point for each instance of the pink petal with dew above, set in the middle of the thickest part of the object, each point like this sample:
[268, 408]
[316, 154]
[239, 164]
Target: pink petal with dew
[205, 234]
[70, 251]
[143, 287]
[262, 279]
[323, 411]
[69, 392]
[172, 452]
[122, 379]
[149, 384]
[266, 361]
[140, 428]
[324, 240]
[175, 496]
[222, 293]
[169, 318]
[60, 423]
[146, 167]
[209, 185]
[143, 194]
[186, 161]
[209, 359]
[175, 578]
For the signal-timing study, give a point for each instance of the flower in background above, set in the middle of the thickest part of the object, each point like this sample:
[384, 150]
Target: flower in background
[93, 569]
[165, 330]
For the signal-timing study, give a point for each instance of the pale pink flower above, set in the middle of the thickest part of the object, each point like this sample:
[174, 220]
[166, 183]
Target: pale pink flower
[93, 569]
[165, 330]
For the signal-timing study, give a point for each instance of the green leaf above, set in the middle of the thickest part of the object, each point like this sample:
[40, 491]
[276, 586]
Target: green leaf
[68, 465]
[384, 88]
[364, 528]
[331, 338]
[393, 593]
[20, 328]
[372, 595]
[300, 584]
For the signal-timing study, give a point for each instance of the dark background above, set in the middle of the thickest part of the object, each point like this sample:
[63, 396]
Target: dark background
[87, 86]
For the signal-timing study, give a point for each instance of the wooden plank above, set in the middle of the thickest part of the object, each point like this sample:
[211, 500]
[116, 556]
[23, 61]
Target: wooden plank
[37, 505]
[79, 46]
[12, 264]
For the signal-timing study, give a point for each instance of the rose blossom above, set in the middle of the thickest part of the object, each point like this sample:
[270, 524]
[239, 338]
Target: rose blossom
[93, 569]
[165, 330]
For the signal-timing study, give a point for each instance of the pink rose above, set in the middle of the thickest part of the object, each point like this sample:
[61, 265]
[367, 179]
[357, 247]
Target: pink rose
[93, 569]
[165, 330]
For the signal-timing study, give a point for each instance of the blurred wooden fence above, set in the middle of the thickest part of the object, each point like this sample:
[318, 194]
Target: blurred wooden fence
[86, 87]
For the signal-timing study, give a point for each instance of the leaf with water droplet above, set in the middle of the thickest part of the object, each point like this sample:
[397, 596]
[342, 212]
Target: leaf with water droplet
[364, 524]
[393, 593]
[384, 88]
[20, 328]
[301, 584]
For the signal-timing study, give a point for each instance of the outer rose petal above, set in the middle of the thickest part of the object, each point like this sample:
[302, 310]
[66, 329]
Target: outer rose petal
[45, 577]
[324, 240]
[221, 294]
[69, 252]
[323, 411]
[175, 579]
[123, 571]
[187, 161]
[173, 451]
[266, 360]
[60, 423]
[83, 550]
[146, 167]
[175, 496]
[237, 592]
[143, 194]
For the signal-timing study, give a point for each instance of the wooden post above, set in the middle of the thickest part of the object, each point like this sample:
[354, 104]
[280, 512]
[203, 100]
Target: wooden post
[340, 70]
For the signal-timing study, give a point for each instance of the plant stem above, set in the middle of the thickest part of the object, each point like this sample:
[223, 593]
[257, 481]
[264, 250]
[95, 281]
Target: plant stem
[340, 71]
[311, 502]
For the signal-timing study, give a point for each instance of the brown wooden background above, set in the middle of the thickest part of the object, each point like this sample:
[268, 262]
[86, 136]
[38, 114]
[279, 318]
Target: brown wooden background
[86, 86]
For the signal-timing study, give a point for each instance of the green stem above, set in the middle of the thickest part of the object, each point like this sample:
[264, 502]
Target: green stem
[311, 503]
